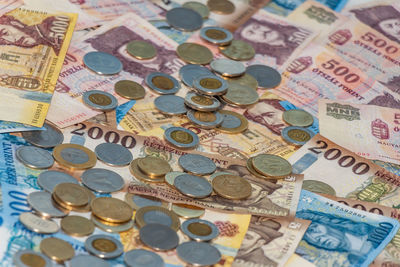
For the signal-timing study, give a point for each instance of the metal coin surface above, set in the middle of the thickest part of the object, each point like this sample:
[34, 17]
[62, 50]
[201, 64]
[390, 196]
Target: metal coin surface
[245, 79]
[298, 117]
[181, 137]
[170, 177]
[99, 100]
[241, 95]
[198, 253]
[170, 104]
[104, 246]
[87, 260]
[71, 194]
[272, 165]
[190, 72]
[296, 135]
[102, 180]
[141, 49]
[187, 211]
[197, 164]
[136, 172]
[49, 137]
[206, 120]
[215, 174]
[143, 258]
[198, 7]
[210, 85]
[223, 7]
[228, 67]
[111, 209]
[137, 202]
[154, 166]
[162, 83]
[37, 224]
[76, 226]
[159, 237]
[85, 208]
[112, 227]
[238, 50]
[42, 203]
[34, 157]
[216, 35]
[158, 215]
[266, 77]
[184, 19]
[193, 186]
[318, 187]
[47, 180]
[113, 154]
[231, 187]
[30, 258]
[200, 230]
[102, 63]
[250, 168]
[74, 156]
[233, 122]
[201, 102]
[129, 89]
[57, 249]
[193, 53]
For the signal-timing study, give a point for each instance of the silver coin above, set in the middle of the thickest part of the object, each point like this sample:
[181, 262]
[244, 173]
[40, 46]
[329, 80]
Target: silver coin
[193, 186]
[137, 202]
[187, 211]
[42, 203]
[210, 85]
[216, 35]
[198, 253]
[49, 137]
[162, 83]
[47, 180]
[113, 154]
[156, 216]
[190, 72]
[37, 224]
[266, 77]
[230, 121]
[142, 258]
[102, 63]
[34, 157]
[92, 247]
[191, 139]
[205, 230]
[170, 177]
[99, 100]
[87, 260]
[117, 228]
[197, 164]
[228, 67]
[18, 258]
[184, 19]
[200, 8]
[201, 102]
[159, 237]
[102, 180]
[218, 119]
[170, 104]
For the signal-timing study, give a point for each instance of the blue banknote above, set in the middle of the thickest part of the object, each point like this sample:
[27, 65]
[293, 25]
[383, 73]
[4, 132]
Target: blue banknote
[284, 7]
[121, 110]
[9, 126]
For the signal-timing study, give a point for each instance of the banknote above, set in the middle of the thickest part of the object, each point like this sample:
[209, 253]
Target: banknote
[295, 261]
[285, 7]
[8, 127]
[371, 131]
[340, 235]
[8, 5]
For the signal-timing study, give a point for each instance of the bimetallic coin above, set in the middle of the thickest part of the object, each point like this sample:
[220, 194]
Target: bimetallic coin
[170, 177]
[158, 215]
[200, 230]
[87, 260]
[193, 53]
[233, 123]
[47, 180]
[42, 203]
[206, 120]
[136, 172]
[170, 104]
[223, 7]
[245, 79]
[112, 227]
[198, 253]
[298, 117]
[228, 67]
[70, 194]
[231, 187]
[76, 226]
[74, 156]
[104, 246]
[30, 258]
[137, 202]
[238, 50]
[318, 187]
[181, 137]
[266, 77]
[34, 157]
[102, 63]
[297, 136]
[113, 154]
[141, 49]
[210, 85]
[129, 89]
[216, 35]
[159, 237]
[154, 166]
[162, 83]
[201, 102]
[111, 209]
[37, 224]
[142, 258]
[240, 95]
[193, 186]
[187, 211]
[197, 164]
[272, 165]
[102, 180]
[190, 72]
[198, 7]
[49, 137]
[57, 249]
[99, 100]
[184, 19]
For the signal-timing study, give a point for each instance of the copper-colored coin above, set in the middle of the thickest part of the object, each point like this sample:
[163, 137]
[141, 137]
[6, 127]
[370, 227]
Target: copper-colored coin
[231, 186]
[74, 156]
[154, 166]
[57, 249]
[141, 49]
[200, 229]
[210, 83]
[240, 95]
[224, 7]
[136, 172]
[216, 34]
[238, 50]
[111, 209]
[163, 82]
[70, 194]
[194, 53]
[76, 226]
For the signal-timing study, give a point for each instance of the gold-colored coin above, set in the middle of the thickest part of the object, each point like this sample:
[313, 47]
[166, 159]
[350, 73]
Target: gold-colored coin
[154, 214]
[199, 229]
[75, 157]
[57, 249]
[233, 122]
[104, 245]
[250, 168]
[129, 89]
[231, 186]
[69, 194]
[76, 226]
[216, 34]
[238, 50]
[32, 260]
[111, 209]
[163, 82]
[141, 49]
[194, 53]
[205, 116]
[298, 135]
[182, 137]
[87, 207]
[112, 227]
[245, 79]
[136, 172]
[240, 95]
[210, 83]
[272, 165]
[154, 166]
[224, 7]
[100, 99]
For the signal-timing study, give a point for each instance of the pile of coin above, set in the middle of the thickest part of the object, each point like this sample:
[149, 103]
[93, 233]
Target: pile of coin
[268, 166]
[150, 169]
[297, 133]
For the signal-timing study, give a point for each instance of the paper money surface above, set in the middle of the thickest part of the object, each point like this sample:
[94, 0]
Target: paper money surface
[285, 7]
[8, 5]
[339, 235]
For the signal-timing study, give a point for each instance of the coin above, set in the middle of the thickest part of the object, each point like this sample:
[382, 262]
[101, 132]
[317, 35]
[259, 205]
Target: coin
[197, 164]
[102, 180]
[187, 211]
[201, 102]
[47, 180]
[104, 246]
[227, 67]
[266, 77]
[170, 177]
[49, 137]
[42, 203]
[194, 53]
[158, 237]
[231, 186]
[137, 202]
[154, 166]
[190, 72]
[200, 230]
[233, 122]
[74, 156]
[215, 174]
[193, 186]
[184, 19]
[34, 157]
[141, 49]
[272, 165]
[129, 89]
[112, 227]
[57, 249]
[136, 172]
[318, 187]
[99, 100]
[76, 226]
[142, 258]
[111, 209]
[30, 258]
[245, 79]
[298, 117]
[297, 136]
[223, 7]
[250, 168]
[181, 137]
[162, 83]
[70, 194]
[85, 208]
[113, 154]
[170, 104]
[102, 63]
[240, 95]
[238, 50]
[158, 215]
[37, 224]
[206, 254]
[206, 120]
[198, 7]
[210, 85]
[216, 35]
[87, 260]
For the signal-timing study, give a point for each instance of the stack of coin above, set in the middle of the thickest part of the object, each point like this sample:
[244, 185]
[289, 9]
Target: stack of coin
[297, 133]
[268, 166]
[150, 169]
[71, 196]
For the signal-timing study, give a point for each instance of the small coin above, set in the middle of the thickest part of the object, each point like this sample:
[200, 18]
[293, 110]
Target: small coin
[245, 79]
[228, 67]
[136, 172]
[47, 180]
[74, 156]
[194, 53]
[206, 254]
[49, 137]
[102, 63]
[76, 226]
[223, 7]
[102, 180]
[250, 168]
[318, 187]
[104, 246]
[198, 7]
[272, 165]
[69, 194]
[158, 215]
[170, 177]
[30, 258]
[154, 166]
[240, 95]
[85, 208]
[181, 137]
[34, 157]
[162, 83]
[238, 50]
[206, 120]
[184, 19]
[99, 100]
[112, 227]
[298, 117]
[297, 136]
[137, 202]
[210, 85]
[170, 104]
[190, 72]
[266, 77]
[187, 211]
[200, 230]
[42, 203]
[231, 186]
[216, 35]
[159, 237]
[201, 102]
[233, 122]
[57, 249]
[197, 164]
[87, 260]
[111, 209]
[141, 49]
[113, 154]
[142, 258]
[37, 224]
[129, 89]
[193, 186]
